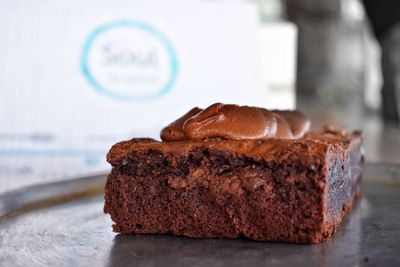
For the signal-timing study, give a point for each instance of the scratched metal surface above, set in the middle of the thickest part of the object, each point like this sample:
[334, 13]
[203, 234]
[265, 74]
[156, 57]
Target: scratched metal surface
[77, 233]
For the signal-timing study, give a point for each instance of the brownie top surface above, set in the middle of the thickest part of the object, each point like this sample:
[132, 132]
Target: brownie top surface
[311, 144]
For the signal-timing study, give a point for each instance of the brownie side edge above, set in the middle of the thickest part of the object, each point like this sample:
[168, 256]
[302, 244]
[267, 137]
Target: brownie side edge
[344, 179]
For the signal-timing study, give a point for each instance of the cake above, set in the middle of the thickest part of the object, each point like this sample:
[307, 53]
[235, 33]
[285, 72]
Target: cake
[233, 171]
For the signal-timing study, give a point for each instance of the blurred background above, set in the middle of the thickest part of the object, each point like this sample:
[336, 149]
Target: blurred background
[78, 76]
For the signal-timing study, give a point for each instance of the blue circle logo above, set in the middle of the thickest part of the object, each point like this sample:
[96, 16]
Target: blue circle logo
[129, 60]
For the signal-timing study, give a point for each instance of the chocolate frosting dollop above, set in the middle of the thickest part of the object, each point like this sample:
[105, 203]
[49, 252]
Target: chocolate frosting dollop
[233, 122]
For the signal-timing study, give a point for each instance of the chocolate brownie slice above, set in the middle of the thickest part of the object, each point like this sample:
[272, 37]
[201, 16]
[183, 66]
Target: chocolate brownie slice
[274, 189]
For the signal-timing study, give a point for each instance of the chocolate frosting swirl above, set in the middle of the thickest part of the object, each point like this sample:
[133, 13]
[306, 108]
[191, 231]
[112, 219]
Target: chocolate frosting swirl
[233, 122]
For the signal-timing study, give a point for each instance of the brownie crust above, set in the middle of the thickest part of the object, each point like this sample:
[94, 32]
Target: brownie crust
[273, 190]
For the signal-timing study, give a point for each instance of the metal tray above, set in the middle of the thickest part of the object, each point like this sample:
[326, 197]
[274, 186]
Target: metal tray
[63, 224]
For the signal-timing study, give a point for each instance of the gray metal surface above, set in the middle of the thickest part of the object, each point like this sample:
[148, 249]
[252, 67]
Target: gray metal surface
[77, 233]
[31, 197]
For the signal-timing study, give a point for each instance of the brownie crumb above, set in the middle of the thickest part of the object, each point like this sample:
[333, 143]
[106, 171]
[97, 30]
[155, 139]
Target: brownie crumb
[367, 259]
